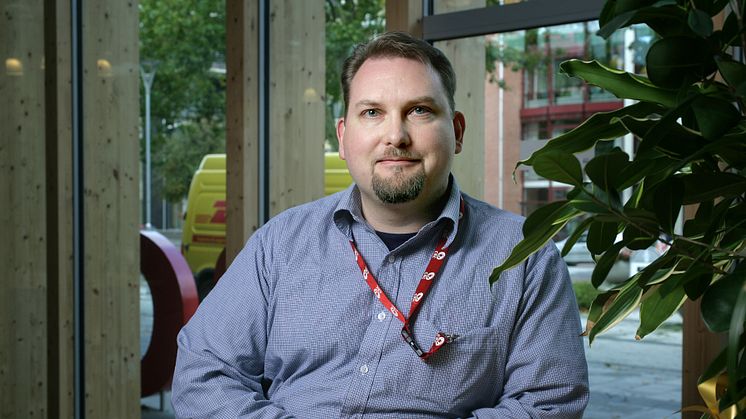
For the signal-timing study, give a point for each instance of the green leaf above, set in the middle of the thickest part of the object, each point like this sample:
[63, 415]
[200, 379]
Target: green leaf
[540, 231]
[605, 263]
[668, 198]
[605, 170]
[674, 140]
[679, 60]
[697, 280]
[732, 30]
[607, 13]
[626, 301]
[716, 366]
[620, 83]
[638, 239]
[735, 332]
[596, 128]
[697, 226]
[701, 187]
[573, 238]
[658, 271]
[560, 167]
[545, 216]
[660, 304]
[641, 167]
[700, 22]
[733, 72]
[662, 127]
[601, 236]
[597, 309]
[715, 116]
[720, 298]
[731, 149]
[661, 18]
[641, 230]
[594, 201]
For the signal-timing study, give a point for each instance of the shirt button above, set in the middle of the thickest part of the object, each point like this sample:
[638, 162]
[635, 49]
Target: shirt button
[364, 369]
[381, 316]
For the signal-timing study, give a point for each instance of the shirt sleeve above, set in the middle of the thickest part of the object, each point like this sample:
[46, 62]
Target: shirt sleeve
[220, 361]
[546, 370]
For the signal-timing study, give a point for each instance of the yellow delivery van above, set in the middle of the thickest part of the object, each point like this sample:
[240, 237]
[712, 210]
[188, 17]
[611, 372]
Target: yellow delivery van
[203, 234]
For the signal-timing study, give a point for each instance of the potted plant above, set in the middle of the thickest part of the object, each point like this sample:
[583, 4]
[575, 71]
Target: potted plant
[689, 121]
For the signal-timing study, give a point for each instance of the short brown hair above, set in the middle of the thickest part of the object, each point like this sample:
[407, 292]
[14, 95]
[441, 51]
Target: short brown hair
[400, 45]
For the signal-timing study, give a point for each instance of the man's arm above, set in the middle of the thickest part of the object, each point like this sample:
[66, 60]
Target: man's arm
[546, 371]
[220, 362]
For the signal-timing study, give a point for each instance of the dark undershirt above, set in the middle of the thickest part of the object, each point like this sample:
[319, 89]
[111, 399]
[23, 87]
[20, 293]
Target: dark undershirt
[394, 240]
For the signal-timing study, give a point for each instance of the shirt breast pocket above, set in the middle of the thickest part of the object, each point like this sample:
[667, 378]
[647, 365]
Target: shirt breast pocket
[462, 376]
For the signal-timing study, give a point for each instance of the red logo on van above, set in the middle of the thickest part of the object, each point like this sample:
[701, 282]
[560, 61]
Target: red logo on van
[219, 216]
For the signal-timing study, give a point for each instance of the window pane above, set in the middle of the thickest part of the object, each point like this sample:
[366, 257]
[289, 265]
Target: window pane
[527, 101]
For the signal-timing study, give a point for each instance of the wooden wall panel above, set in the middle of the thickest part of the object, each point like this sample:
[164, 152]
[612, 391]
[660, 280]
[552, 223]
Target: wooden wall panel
[23, 348]
[296, 101]
[242, 110]
[467, 57]
[111, 215]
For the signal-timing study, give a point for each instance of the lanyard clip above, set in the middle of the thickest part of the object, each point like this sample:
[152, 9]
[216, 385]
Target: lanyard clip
[451, 338]
[412, 344]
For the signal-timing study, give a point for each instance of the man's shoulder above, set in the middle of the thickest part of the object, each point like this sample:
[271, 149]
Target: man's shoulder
[485, 212]
[308, 214]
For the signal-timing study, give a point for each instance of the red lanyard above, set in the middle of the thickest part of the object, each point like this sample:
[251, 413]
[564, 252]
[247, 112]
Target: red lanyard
[433, 267]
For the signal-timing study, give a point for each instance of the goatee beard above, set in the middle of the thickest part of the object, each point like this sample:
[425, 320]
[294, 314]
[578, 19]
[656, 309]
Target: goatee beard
[398, 188]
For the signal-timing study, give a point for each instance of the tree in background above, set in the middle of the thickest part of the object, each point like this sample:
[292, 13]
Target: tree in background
[187, 39]
[348, 23]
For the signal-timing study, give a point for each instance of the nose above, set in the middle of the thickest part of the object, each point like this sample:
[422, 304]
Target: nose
[397, 133]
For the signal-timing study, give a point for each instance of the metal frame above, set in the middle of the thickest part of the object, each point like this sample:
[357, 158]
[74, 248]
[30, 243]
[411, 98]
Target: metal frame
[76, 60]
[263, 122]
[506, 18]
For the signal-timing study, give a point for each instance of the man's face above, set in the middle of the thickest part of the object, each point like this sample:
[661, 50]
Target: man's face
[399, 134]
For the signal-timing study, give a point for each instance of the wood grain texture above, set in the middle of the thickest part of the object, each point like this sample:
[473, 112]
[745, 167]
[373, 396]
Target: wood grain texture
[242, 115]
[297, 91]
[404, 16]
[23, 313]
[111, 209]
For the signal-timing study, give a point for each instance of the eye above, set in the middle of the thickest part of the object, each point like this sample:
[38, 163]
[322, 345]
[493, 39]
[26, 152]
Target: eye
[420, 110]
[370, 113]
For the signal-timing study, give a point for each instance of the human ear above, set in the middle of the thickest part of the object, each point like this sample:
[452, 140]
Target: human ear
[459, 126]
[340, 137]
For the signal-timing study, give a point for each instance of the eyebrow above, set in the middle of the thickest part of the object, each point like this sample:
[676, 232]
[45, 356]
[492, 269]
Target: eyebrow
[429, 100]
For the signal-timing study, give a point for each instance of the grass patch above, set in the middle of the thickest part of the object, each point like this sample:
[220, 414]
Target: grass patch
[584, 294]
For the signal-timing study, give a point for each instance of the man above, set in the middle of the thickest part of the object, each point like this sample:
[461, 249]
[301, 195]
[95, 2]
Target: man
[374, 302]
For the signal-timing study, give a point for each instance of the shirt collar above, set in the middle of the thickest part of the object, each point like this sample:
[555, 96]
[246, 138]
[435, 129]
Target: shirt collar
[349, 210]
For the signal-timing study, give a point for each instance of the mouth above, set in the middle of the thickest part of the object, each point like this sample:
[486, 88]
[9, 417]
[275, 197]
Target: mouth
[397, 161]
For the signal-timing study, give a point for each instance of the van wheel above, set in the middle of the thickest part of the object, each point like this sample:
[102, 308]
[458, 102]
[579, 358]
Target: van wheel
[204, 281]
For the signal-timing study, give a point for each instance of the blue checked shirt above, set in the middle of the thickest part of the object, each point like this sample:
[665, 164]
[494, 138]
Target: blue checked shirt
[292, 329]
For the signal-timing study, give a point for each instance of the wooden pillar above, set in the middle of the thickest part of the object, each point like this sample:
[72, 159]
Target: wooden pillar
[23, 257]
[111, 208]
[296, 110]
[700, 347]
[242, 125]
[404, 16]
[296, 103]
[468, 59]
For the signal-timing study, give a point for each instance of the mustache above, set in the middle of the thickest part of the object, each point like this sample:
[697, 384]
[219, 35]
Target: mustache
[398, 153]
